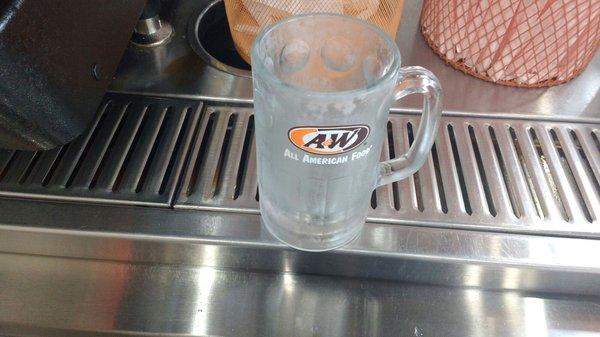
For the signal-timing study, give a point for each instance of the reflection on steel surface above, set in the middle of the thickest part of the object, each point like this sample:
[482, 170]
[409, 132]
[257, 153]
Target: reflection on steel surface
[232, 240]
[88, 297]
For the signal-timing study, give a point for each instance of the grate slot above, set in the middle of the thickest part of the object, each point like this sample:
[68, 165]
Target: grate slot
[383, 195]
[538, 190]
[491, 208]
[458, 158]
[66, 168]
[596, 139]
[152, 159]
[505, 192]
[101, 139]
[549, 204]
[32, 164]
[417, 191]
[199, 154]
[404, 192]
[44, 166]
[523, 195]
[403, 187]
[233, 161]
[589, 156]
[429, 195]
[168, 146]
[215, 144]
[391, 153]
[95, 158]
[108, 173]
[494, 181]
[186, 135]
[6, 158]
[584, 173]
[542, 150]
[242, 171]
[373, 199]
[251, 184]
[217, 182]
[86, 148]
[575, 173]
[18, 167]
[132, 174]
[562, 176]
[449, 174]
[438, 178]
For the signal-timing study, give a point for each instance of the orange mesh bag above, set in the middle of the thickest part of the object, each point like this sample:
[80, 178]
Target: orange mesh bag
[247, 17]
[527, 43]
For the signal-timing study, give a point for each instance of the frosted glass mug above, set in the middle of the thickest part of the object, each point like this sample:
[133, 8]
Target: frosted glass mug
[323, 86]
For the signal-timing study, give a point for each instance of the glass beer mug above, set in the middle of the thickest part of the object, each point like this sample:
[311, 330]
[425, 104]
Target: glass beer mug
[323, 86]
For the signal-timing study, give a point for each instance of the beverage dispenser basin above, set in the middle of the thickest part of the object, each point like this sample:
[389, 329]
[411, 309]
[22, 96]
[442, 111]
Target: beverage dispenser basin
[209, 35]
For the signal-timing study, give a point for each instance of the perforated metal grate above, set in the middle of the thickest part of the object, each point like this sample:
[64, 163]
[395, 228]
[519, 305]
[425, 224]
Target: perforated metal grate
[133, 153]
[514, 175]
[483, 173]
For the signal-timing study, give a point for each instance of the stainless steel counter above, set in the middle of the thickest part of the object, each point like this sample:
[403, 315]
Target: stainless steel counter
[148, 224]
[52, 296]
[175, 71]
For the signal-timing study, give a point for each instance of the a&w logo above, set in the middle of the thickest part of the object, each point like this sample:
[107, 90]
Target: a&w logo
[328, 140]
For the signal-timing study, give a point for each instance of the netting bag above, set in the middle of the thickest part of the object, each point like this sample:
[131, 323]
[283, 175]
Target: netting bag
[247, 17]
[525, 43]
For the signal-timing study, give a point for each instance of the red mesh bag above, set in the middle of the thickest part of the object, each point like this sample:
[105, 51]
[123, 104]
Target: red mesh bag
[527, 43]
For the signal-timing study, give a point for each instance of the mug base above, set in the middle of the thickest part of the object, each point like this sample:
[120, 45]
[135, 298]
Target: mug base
[311, 243]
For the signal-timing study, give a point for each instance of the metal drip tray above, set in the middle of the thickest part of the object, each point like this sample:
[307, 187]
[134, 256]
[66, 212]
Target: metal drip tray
[484, 173]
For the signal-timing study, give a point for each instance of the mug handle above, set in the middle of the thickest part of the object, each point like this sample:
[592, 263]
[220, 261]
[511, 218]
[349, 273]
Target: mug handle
[415, 80]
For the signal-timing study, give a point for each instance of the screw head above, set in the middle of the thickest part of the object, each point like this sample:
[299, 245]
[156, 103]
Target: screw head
[98, 72]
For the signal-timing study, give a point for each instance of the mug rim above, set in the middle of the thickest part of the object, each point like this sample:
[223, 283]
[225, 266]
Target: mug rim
[390, 73]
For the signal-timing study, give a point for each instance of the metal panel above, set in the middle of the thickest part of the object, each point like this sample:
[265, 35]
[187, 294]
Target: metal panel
[133, 154]
[52, 296]
[114, 299]
[416, 254]
[493, 174]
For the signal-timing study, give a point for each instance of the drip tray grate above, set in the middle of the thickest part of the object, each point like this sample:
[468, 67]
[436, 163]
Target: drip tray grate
[487, 173]
[133, 153]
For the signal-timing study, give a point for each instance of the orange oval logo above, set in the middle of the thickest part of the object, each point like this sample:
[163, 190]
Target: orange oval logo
[328, 140]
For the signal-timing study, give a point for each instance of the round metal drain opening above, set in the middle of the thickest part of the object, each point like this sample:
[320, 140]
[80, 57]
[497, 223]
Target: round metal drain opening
[209, 36]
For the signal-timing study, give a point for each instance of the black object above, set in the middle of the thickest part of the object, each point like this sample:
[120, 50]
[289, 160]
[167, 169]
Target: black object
[57, 58]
